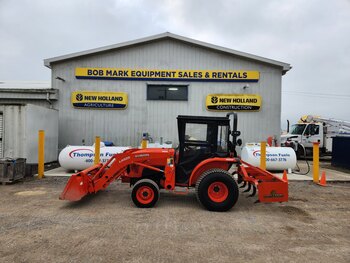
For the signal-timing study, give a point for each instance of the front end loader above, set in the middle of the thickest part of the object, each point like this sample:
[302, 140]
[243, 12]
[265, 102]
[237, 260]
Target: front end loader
[205, 160]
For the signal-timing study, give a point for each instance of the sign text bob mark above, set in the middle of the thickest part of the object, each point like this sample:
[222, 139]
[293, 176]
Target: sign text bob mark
[175, 75]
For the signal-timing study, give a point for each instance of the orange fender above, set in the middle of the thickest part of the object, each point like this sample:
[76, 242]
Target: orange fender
[212, 163]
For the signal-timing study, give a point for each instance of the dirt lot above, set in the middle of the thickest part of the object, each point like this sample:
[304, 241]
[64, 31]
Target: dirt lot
[314, 226]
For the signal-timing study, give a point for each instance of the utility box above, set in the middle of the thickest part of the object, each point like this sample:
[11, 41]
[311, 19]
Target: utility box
[12, 170]
[19, 126]
[340, 151]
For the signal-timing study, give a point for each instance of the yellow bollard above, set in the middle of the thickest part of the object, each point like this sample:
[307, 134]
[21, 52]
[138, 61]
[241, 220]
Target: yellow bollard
[316, 161]
[97, 150]
[263, 155]
[41, 154]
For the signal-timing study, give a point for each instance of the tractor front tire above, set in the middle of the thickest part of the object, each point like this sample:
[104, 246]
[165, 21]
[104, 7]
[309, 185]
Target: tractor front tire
[216, 190]
[145, 193]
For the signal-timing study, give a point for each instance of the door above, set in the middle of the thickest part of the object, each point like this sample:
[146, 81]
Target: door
[312, 134]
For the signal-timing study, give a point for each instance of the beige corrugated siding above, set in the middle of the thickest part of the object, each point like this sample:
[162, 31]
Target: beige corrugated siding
[125, 127]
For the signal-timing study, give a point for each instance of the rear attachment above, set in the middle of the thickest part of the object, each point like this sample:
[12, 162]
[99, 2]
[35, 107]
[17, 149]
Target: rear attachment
[270, 188]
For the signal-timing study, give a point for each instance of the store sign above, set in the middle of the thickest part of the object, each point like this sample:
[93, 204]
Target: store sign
[99, 100]
[165, 74]
[233, 102]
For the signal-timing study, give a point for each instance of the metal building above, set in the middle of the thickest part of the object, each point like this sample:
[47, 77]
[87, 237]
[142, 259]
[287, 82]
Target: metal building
[158, 78]
[19, 126]
[25, 108]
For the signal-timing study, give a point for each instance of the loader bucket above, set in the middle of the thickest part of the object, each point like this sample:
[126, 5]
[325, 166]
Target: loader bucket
[80, 183]
[76, 188]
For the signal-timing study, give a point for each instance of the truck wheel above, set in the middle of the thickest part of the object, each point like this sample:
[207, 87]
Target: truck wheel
[216, 190]
[145, 193]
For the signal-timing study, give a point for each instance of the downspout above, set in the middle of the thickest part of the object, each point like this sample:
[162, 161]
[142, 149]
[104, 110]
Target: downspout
[48, 99]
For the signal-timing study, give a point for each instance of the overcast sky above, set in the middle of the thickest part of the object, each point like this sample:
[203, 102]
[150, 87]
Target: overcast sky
[313, 36]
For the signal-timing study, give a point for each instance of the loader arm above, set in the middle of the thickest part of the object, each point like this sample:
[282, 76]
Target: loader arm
[99, 176]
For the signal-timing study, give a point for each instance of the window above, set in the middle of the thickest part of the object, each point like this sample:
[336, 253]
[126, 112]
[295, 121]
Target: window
[167, 92]
[196, 132]
[312, 129]
[317, 129]
[297, 129]
[222, 138]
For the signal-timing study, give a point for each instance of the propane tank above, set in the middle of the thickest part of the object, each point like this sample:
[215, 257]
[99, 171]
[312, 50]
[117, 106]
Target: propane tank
[82, 157]
[277, 158]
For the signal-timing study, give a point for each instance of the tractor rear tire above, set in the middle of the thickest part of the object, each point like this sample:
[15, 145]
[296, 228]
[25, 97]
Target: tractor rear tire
[145, 193]
[216, 190]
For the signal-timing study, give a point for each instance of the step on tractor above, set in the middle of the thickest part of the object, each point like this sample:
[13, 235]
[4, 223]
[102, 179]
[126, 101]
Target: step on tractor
[205, 160]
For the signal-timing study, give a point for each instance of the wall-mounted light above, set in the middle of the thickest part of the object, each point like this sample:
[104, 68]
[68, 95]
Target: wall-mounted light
[174, 89]
[59, 78]
[246, 86]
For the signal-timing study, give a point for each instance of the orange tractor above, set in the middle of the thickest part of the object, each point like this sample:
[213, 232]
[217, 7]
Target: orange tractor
[205, 159]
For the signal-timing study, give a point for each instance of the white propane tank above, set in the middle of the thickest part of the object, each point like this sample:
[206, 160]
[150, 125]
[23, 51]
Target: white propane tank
[277, 158]
[82, 157]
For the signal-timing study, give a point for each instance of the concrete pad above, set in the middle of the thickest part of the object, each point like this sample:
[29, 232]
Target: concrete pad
[295, 177]
[332, 174]
[58, 172]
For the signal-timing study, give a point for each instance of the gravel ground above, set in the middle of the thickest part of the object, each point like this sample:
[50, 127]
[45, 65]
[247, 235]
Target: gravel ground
[314, 226]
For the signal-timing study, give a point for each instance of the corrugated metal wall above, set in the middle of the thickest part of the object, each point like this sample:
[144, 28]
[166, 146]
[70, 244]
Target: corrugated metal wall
[14, 121]
[40, 118]
[21, 124]
[125, 127]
